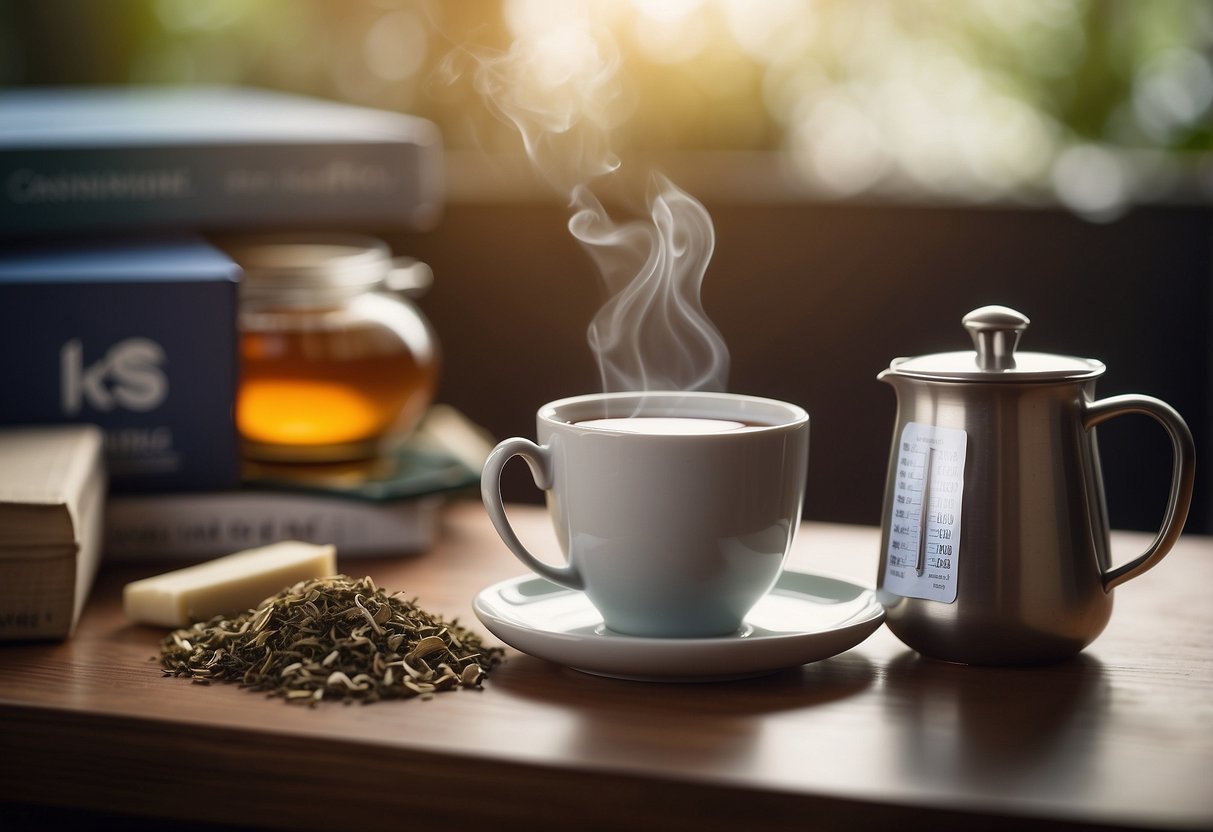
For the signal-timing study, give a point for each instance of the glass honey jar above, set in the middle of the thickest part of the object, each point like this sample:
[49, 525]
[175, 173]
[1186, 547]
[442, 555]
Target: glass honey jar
[336, 360]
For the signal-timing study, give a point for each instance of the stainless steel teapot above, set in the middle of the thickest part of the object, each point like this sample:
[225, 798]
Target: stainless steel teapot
[995, 532]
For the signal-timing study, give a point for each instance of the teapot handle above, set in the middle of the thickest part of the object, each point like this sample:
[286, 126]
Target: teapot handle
[409, 277]
[1183, 473]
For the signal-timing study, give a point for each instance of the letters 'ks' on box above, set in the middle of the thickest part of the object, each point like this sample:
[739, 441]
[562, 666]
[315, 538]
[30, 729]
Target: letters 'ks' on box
[136, 336]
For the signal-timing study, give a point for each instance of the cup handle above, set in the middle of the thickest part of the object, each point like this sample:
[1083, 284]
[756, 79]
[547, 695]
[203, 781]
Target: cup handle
[539, 460]
[1183, 473]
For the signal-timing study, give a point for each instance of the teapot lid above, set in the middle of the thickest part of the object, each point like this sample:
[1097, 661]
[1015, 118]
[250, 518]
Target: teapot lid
[996, 331]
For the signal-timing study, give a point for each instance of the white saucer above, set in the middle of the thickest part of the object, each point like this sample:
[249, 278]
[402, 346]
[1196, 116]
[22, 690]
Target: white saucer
[805, 618]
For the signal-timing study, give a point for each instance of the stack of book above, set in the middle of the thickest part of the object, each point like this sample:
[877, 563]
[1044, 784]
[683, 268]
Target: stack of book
[386, 506]
[117, 311]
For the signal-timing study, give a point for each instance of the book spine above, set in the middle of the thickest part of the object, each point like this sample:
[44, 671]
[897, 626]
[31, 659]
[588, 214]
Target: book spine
[192, 527]
[38, 597]
[218, 186]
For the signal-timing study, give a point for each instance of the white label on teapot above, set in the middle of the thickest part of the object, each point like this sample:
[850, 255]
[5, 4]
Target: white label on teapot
[924, 521]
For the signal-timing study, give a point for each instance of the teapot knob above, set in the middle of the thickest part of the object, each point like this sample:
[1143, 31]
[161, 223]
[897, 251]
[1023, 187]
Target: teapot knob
[995, 331]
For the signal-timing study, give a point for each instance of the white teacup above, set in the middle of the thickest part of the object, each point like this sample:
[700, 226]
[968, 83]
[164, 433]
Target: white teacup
[675, 510]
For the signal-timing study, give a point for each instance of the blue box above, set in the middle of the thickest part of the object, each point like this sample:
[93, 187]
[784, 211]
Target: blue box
[136, 336]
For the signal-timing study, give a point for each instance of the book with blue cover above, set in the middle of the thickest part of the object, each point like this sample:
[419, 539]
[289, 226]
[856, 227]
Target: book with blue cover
[210, 159]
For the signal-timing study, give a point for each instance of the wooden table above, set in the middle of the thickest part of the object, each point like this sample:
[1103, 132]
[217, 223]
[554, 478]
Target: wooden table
[874, 738]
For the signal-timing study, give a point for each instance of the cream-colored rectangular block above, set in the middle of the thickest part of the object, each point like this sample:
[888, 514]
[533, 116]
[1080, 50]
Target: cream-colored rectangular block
[227, 585]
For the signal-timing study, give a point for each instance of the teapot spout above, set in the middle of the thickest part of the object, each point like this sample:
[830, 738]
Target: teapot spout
[889, 375]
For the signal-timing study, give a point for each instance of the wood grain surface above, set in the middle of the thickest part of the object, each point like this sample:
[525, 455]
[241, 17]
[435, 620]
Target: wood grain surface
[877, 737]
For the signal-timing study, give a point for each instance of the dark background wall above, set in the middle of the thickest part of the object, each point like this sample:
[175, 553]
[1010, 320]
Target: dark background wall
[815, 299]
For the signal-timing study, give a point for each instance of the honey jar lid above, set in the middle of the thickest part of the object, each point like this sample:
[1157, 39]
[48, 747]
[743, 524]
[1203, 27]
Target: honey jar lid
[302, 267]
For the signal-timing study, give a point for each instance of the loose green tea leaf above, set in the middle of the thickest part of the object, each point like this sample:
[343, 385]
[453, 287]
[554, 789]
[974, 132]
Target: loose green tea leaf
[332, 638]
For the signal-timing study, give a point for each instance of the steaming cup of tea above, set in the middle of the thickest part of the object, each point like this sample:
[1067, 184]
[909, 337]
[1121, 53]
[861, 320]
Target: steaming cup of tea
[675, 510]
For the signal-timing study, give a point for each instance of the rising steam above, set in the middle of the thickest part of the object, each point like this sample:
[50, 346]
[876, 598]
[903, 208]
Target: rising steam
[559, 85]
[652, 333]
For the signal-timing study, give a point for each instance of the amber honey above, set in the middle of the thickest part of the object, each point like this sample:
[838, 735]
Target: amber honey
[328, 382]
[316, 395]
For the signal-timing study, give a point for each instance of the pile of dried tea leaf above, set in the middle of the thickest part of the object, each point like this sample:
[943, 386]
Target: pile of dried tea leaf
[332, 638]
